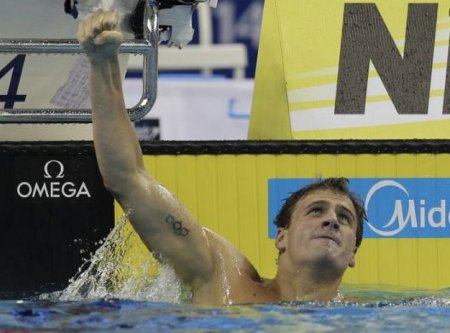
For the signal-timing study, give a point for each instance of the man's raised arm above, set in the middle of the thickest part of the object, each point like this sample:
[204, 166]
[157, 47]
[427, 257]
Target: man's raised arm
[163, 224]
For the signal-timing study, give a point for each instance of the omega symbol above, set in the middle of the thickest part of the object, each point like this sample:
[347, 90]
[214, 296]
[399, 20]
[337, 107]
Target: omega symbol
[58, 175]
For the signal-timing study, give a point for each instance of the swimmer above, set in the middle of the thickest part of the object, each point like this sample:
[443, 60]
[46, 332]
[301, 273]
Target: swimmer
[319, 227]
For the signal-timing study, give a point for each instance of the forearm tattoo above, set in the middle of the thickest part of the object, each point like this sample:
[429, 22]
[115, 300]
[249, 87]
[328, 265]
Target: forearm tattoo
[177, 226]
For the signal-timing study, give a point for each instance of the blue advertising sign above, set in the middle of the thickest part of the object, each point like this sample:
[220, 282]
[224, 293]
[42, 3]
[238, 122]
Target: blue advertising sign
[396, 207]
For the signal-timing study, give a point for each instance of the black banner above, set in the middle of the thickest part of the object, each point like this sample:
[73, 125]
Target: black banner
[54, 210]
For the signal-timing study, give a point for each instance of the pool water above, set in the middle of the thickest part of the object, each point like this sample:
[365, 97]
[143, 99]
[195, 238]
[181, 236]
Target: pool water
[422, 314]
[107, 295]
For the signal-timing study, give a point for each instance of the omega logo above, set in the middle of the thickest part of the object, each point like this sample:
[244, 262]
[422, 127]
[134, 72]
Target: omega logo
[59, 164]
[53, 187]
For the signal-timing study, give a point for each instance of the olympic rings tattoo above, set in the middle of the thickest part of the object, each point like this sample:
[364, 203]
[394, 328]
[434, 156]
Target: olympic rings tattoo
[177, 226]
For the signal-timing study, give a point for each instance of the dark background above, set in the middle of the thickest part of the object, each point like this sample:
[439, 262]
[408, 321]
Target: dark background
[43, 241]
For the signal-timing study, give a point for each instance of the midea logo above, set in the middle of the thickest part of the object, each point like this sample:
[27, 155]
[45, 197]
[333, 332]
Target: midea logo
[53, 188]
[407, 211]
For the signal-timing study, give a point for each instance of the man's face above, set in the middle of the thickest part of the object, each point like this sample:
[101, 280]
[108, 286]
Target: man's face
[322, 232]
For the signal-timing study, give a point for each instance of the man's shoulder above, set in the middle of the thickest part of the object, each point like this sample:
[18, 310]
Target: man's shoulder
[226, 253]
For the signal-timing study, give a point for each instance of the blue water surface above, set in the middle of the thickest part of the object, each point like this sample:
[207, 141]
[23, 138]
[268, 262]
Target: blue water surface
[368, 311]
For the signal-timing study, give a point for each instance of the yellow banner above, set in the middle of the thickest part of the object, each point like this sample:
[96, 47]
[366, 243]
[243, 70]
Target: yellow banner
[236, 190]
[353, 70]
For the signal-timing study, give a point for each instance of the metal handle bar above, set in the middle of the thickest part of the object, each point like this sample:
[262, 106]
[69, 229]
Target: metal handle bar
[147, 47]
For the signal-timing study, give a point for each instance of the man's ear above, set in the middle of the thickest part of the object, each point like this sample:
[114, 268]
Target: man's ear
[280, 240]
[352, 261]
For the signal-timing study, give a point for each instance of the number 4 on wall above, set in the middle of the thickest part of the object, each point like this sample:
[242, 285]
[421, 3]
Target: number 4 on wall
[16, 65]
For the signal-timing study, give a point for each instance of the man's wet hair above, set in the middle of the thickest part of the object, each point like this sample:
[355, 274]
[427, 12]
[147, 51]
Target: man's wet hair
[337, 185]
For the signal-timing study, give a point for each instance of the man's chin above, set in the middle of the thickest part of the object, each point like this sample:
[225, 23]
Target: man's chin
[327, 262]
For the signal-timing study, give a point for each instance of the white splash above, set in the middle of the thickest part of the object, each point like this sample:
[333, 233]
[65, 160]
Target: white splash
[110, 274]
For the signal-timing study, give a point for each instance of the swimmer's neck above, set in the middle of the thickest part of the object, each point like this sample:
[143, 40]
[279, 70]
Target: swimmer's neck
[301, 287]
